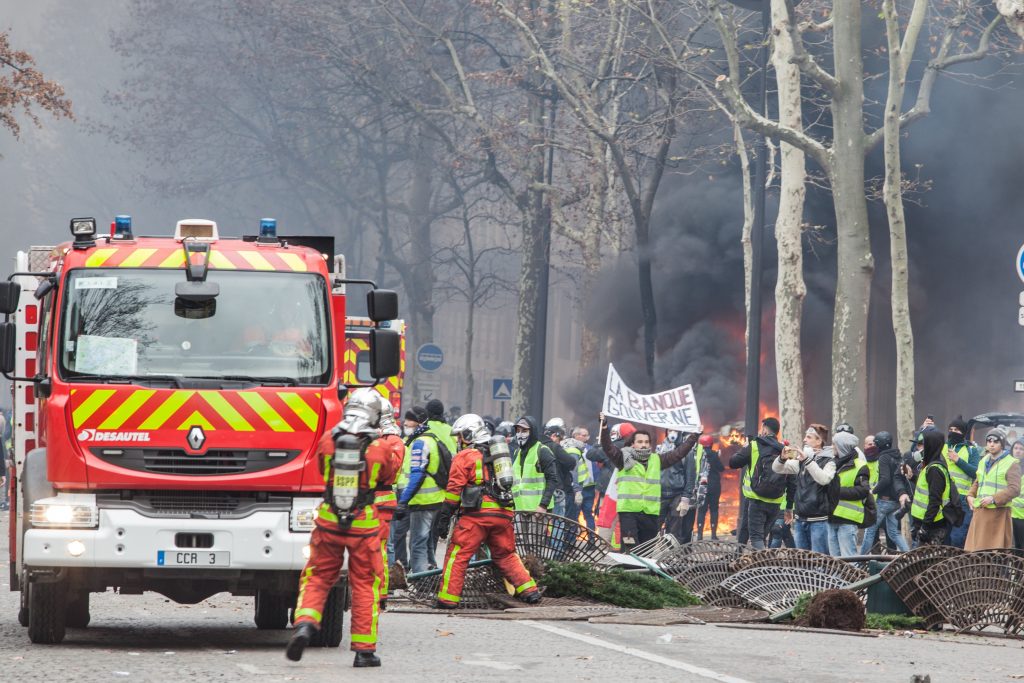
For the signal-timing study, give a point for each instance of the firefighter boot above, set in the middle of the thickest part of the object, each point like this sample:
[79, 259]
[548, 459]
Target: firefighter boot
[444, 605]
[531, 598]
[366, 658]
[304, 633]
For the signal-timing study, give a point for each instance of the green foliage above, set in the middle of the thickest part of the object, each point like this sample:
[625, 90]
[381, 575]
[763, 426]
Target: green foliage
[802, 603]
[614, 587]
[891, 622]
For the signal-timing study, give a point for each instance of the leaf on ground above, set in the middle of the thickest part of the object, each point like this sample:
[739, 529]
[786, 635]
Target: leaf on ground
[438, 633]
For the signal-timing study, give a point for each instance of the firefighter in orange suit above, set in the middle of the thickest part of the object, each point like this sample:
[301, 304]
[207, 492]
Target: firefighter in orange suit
[480, 490]
[386, 500]
[357, 464]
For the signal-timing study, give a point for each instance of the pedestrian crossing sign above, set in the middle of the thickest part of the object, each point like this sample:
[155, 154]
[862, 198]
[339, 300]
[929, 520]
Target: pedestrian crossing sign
[501, 389]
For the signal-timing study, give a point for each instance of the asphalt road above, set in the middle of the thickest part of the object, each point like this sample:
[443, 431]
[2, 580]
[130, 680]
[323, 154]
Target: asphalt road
[148, 638]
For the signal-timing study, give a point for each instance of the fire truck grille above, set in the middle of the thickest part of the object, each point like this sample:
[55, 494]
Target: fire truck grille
[213, 462]
[219, 504]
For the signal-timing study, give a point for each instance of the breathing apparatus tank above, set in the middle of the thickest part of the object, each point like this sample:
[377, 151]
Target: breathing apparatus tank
[500, 460]
[346, 465]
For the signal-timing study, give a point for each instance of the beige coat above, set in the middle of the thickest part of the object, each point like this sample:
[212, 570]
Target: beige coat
[993, 527]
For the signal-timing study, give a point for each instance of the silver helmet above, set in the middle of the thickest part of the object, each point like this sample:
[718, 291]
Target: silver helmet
[471, 429]
[362, 412]
[388, 425]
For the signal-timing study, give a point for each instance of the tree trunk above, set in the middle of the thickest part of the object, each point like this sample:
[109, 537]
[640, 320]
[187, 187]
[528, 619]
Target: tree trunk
[468, 368]
[789, 288]
[531, 272]
[748, 224]
[855, 262]
[419, 277]
[893, 197]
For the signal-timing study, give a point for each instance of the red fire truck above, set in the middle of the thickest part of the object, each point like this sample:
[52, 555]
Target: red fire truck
[169, 393]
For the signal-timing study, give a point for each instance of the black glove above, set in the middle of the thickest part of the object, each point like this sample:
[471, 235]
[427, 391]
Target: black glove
[401, 512]
[444, 521]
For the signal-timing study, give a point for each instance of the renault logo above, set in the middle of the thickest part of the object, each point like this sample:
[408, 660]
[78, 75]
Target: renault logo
[196, 438]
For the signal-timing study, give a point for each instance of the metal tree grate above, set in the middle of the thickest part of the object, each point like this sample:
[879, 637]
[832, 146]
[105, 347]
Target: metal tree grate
[657, 548]
[901, 573]
[977, 590]
[554, 538]
[802, 559]
[778, 588]
[699, 578]
[699, 552]
[480, 582]
[723, 597]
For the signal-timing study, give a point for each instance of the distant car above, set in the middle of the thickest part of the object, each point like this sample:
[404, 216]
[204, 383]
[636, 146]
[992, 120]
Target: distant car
[1011, 423]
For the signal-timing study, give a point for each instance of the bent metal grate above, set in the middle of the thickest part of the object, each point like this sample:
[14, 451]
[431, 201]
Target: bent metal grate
[554, 538]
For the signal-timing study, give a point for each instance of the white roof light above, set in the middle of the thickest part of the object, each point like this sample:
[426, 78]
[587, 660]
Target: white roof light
[196, 228]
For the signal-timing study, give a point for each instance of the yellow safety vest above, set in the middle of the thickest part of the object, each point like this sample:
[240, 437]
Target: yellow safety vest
[994, 480]
[748, 490]
[921, 494]
[639, 487]
[850, 510]
[528, 481]
[962, 480]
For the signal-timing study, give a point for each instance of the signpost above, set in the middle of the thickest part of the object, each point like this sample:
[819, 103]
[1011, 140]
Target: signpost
[501, 390]
[429, 358]
[1018, 386]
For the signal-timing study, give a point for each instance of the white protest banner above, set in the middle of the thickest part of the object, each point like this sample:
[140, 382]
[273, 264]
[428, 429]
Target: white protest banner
[672, 409]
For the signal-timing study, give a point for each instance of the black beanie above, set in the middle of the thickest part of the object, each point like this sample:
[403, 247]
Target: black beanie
[416, 414]
[435, 409]
[960, 423]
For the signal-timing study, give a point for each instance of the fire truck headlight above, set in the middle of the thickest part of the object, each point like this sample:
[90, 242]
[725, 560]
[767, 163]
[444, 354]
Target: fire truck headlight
[61, 513]
[303, 516]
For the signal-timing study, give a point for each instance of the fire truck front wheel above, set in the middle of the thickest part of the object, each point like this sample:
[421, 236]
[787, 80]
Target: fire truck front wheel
[272, 609]
[47, 612]
[78, 609]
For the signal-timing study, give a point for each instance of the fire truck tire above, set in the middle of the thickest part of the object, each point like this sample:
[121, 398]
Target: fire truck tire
[271, 610]
[78, 610]
[23, 596]
[47, 612]
[333, 618]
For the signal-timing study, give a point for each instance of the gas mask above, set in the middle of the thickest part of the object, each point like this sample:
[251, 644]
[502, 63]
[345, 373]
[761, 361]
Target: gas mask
[346, 465]
[500, 461]
[918, 456]
[522, 438]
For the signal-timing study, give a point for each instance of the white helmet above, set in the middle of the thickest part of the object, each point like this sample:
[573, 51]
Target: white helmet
[362, 412]
[555, 425]
[471, 429]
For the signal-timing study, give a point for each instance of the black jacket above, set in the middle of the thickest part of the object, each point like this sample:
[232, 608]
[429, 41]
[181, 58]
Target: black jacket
[566, 466]
[891, 482]
[603, 476]
[767, 447]
[715, 469]
[546, 463]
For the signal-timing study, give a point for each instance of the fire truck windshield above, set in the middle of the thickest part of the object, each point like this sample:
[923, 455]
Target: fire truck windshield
[263, 327]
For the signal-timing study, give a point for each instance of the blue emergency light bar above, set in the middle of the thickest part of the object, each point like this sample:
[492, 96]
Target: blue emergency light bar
[268, 228]
[122, 227]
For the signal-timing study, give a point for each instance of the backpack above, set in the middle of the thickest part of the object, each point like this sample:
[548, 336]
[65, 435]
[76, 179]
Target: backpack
[954, 509]
[444, 464]
[870, 512]
[763, 481]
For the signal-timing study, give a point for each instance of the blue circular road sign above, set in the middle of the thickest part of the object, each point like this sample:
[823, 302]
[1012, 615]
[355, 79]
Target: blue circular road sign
[430, 357]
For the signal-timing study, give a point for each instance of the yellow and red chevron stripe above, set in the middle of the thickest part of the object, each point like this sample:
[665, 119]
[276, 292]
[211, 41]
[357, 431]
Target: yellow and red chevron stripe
[174, 257]
[133, 409]
[356, 343]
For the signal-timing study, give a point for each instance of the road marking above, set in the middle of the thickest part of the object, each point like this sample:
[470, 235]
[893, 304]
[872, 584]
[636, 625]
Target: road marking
[634, 652]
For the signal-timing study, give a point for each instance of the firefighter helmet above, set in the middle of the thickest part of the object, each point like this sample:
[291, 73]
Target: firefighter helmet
[471, 429]
[388, 425]
[362, 412]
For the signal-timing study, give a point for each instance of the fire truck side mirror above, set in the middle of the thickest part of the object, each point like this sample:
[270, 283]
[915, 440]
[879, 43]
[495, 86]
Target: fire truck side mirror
[385, 353]
[8, 344]
[381, 305]
[10, 294]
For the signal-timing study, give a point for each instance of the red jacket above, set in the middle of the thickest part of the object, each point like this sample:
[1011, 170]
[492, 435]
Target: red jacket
[380, 473]
[468, 469]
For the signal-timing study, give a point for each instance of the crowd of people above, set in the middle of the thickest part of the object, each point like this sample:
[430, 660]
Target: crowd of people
[836, 495]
